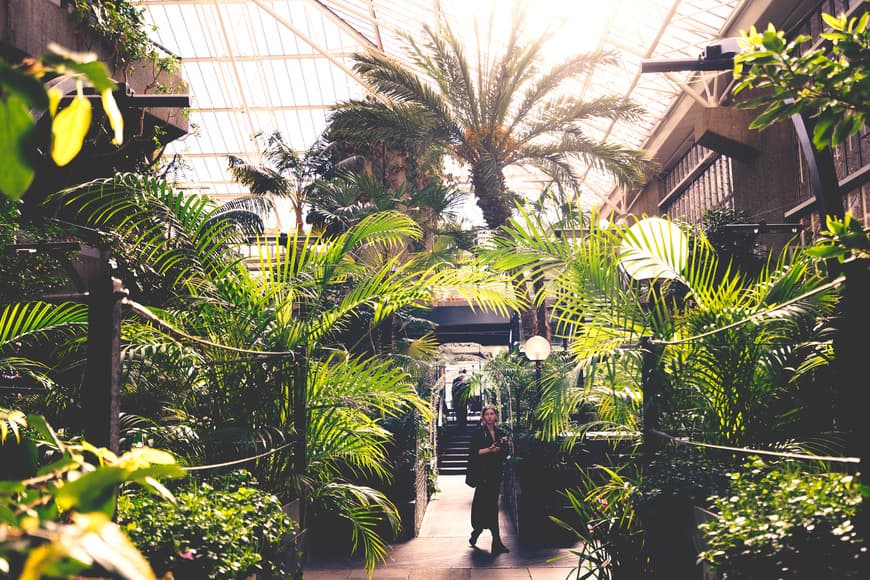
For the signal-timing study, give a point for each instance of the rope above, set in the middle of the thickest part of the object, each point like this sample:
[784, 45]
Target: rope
[237, 461]
[679, 441]
[818, 290]
[148, 315]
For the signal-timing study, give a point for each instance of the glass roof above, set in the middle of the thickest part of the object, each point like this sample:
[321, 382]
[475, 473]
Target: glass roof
[256, 66]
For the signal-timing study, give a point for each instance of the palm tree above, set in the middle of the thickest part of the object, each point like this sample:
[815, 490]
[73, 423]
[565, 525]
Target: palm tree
[284, 174]
[736, 380]
[504, 111]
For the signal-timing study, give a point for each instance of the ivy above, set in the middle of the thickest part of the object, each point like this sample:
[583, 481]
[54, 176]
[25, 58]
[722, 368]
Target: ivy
[123, 26]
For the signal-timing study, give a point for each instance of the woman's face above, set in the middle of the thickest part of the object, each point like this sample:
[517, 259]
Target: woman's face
[489, 416]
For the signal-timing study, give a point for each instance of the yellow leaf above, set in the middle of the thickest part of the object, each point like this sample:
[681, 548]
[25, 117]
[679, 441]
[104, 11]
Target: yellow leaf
[54, 96]
[140, 457]
[36, 561]
[69, 129]
[91, 522]
[114, 115]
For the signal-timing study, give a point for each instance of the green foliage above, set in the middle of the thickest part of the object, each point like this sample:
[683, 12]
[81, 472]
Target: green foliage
[122, 25]
[57, 521]
[832, 83]
[737, 248]
[611, 539]
[302, 299]
[844, 239]
[777, 522]
[25, 274]
[698, 477]
[224, 528]
[22, 92]
[284, 173]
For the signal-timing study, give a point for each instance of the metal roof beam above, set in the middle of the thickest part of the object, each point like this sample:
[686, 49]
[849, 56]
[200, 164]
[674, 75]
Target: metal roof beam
[304, 37]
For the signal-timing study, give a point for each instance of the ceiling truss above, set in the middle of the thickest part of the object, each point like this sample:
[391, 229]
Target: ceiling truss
[256, 66]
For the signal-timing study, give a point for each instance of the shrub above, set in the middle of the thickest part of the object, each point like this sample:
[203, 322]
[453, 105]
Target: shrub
[226, 528]
[778, 523]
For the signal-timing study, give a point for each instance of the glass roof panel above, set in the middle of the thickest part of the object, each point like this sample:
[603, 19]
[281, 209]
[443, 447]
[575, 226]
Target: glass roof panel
[256, 66]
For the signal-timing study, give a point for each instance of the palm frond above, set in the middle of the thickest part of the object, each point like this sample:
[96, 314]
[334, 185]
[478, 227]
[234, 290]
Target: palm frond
[364, 508]
[176, 234]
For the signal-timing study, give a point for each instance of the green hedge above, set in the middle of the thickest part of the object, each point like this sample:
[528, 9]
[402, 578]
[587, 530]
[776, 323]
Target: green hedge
[226, 528]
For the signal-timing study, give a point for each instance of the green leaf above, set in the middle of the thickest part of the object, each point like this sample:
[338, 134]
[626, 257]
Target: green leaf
[144, 457]
[44, 430]
[110, 548]
[10, 487]
[97, 74]
[7, 516]
[50, 560]
[57, 466]
[166, 470]
[17, 147]
[94, 491]
[833, 21]
[772, 41]
[69, 129]
[826, 252]
[116, 119]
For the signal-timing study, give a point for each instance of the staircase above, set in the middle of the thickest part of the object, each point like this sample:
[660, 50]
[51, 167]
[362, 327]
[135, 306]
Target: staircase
[453, 459]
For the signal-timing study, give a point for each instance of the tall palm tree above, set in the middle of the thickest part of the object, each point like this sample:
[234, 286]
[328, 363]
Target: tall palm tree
[284, 174]
[500, 111]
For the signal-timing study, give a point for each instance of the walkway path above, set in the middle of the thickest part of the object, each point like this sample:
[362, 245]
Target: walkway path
[441, 551]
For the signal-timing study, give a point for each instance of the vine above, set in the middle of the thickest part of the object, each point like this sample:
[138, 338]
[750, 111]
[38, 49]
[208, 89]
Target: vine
[123, 26]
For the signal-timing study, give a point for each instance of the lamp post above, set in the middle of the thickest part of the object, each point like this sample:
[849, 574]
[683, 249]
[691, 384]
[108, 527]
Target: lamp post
[537, 348]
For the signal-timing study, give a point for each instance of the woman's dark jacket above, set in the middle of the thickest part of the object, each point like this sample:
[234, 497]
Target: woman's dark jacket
[486, 467]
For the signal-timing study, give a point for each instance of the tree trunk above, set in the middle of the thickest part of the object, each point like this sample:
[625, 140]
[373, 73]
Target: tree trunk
[492, 198]
[491, 193]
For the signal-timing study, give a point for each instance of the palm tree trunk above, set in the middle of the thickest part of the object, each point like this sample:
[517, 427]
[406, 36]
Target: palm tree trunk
[490, 190]
[297, 208]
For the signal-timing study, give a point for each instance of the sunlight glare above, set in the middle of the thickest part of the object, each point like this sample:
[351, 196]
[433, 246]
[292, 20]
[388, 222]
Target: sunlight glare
[572, 26]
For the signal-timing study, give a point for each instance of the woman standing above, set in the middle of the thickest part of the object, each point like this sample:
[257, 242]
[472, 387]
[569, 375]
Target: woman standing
[485, 456]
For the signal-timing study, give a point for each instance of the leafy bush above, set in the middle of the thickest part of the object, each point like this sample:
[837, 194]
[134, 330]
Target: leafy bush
[224, 529]
[684, 472]
[56, 522]
[778, 523]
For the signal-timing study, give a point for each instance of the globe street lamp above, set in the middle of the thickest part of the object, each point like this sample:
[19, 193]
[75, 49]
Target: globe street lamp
[537, 348]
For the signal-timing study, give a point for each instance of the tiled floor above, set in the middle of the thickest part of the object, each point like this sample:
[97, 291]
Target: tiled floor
[441, 551]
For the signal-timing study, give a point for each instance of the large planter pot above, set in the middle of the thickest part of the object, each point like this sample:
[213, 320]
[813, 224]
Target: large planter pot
[407, 515]
[669, 529]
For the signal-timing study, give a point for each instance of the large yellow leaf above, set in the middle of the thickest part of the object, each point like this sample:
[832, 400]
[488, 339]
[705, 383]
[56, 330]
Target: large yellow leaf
[114, 115]
[69, 129]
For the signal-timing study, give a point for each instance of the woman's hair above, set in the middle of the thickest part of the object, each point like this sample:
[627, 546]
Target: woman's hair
[484, 410]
